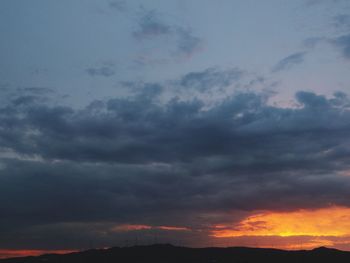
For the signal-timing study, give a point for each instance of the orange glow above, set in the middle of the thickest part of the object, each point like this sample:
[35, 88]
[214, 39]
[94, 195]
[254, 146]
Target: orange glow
[9, 253]
[309, 245]
[129, 227]
[333, 221]
[173, 228]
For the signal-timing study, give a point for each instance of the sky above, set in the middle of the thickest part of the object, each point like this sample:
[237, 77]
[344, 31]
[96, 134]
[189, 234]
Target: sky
[197, 123]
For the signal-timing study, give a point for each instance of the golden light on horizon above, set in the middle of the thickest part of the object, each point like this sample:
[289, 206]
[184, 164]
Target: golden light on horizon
[333, 221]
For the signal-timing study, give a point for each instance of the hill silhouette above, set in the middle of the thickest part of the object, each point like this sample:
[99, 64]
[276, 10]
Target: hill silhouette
[172, 254]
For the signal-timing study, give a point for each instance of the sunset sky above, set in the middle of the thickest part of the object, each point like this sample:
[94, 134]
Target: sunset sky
[191, 122]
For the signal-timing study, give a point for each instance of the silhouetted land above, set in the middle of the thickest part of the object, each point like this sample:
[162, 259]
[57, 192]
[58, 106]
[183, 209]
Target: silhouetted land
[172, 254]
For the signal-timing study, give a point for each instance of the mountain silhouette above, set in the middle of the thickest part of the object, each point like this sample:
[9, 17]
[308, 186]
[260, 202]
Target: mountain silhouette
[166, 253]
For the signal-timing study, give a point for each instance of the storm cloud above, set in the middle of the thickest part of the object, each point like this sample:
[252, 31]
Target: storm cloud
[136, 160]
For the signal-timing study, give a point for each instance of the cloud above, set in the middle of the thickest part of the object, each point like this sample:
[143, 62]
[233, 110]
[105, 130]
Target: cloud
[118, 5]
[151, 26]
[139, 161]
[188, 44]
[36, 90]
[128, 227]
[312, 3]
[103, 71]
[297, 223]
[343, 43]
[342, 21]
[210, 78]
[289, 62]
[12, 253]
[312, 42]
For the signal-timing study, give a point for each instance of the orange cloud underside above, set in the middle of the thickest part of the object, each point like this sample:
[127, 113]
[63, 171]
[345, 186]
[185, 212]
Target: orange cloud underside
[333, 221]
[9, 253]
[130, 227]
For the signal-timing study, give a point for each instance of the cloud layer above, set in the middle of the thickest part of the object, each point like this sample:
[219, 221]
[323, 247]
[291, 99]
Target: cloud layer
[136, 160]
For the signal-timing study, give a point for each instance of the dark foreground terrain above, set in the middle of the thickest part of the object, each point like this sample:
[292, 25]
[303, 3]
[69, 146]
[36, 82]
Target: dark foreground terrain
[172, 254]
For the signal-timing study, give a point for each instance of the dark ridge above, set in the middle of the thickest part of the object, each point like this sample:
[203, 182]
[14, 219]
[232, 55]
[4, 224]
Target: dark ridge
[166, 253]
[325, 249]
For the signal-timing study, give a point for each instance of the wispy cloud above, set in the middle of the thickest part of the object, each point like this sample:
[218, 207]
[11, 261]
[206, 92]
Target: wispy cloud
[210, 78]
[342, 22]
[118, 5]
[188, 44]
[151, 26]
[289, 62]
[106, 70]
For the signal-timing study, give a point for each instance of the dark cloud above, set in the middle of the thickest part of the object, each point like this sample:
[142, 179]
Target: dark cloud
[25, 95]
[138, 161]
[135, 129]
[104, 71]
[290, 61]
